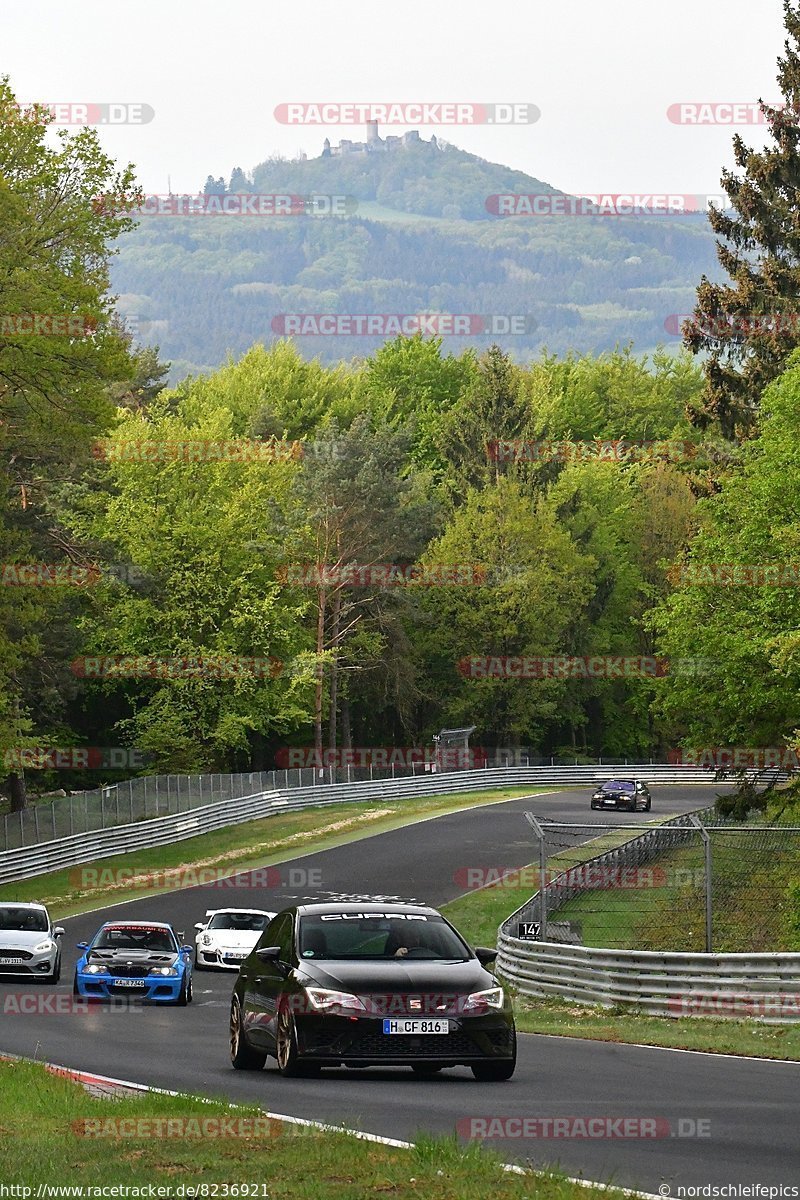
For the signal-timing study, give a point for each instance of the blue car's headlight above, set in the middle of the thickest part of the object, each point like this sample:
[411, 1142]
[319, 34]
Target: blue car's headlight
[163, 971]
[95, 969]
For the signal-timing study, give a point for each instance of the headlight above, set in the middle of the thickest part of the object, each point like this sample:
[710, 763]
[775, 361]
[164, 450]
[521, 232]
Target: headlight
[327, 1001]
[206, 939]
[162, 971]
[95, 969]
[481, 1001]
[43, 946]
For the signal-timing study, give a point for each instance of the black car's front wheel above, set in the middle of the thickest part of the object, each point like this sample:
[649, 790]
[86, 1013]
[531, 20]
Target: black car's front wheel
[493, 1072]
[243, 1056]
[290, 1063]
[496, 1072]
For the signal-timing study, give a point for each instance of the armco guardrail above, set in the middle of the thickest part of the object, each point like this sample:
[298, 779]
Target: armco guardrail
[766, 986]
[34, 860]
[661, 983]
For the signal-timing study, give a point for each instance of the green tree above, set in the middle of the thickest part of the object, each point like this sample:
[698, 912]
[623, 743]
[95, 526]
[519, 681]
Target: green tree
[59, 352]
[743, 631]
[747, 328]
[538, 581]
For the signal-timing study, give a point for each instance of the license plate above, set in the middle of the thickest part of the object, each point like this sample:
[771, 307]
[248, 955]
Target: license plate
[12, 962]
[415, 1026]
[131, 983]
[237, 957]
[609, 801]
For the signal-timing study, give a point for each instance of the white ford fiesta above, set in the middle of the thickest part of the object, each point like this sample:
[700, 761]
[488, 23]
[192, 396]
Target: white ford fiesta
[227, 936]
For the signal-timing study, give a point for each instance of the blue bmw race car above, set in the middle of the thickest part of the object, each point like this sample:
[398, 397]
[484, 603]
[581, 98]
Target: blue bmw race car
[143, 960]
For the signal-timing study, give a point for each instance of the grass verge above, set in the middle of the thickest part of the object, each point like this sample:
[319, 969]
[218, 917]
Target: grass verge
[46, 1118]
[260, 843]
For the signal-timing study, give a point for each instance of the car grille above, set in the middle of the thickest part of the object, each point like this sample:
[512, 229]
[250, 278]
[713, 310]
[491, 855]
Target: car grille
[127, 970]
[12, 953]
[446, 1045]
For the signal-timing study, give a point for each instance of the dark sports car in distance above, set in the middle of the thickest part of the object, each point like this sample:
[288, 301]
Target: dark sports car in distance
[141, 960]
[370, 984]
[629, 794]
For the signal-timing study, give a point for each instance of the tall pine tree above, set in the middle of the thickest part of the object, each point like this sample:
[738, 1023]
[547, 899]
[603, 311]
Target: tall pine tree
[749, 326]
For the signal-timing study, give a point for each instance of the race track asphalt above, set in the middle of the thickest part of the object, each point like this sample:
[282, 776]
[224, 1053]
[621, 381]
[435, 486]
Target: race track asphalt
[750, 1107]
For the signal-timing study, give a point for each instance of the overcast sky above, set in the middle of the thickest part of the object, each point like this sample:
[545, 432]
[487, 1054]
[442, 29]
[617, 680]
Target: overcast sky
[603, 76]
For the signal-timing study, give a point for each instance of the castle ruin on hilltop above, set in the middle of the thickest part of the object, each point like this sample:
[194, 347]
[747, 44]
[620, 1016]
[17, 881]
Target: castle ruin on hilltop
[376, 144]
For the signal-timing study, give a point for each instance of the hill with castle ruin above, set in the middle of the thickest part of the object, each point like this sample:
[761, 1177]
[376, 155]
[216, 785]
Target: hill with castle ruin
[416, 235]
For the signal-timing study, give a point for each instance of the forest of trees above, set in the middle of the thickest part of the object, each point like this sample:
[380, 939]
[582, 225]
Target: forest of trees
[642, 507]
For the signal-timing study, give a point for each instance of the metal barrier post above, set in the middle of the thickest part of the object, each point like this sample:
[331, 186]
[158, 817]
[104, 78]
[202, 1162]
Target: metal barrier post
[707, 870]
[539, 831]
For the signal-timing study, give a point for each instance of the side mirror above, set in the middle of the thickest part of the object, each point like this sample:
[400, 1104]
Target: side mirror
[187, 950]
[200, 926]
[485, 954]
[83, 945]
[58, 931]
[269, 954]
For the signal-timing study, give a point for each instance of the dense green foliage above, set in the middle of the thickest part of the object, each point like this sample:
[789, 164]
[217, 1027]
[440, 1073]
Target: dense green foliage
[381, 459]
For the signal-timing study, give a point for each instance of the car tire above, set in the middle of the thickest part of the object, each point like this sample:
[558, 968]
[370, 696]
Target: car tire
[75, 989]
[426, 1068]
[648, 805]
[496, 1072]
[55, 974]
[184, 995]
[290, 1063]
[243, 1056]
[199, 966]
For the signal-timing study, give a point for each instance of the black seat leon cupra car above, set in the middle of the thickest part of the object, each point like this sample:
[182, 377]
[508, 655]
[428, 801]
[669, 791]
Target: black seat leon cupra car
[364, 984]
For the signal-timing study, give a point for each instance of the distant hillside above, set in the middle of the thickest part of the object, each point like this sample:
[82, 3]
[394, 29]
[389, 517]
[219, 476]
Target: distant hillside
[420, 240]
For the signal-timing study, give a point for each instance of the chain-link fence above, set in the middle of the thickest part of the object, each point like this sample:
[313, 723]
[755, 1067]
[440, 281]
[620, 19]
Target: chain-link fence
[133, 800]
[692, 884]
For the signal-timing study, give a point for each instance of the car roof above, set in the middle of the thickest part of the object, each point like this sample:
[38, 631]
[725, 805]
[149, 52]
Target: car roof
[23, 904]
[260, 912]
[355, 906]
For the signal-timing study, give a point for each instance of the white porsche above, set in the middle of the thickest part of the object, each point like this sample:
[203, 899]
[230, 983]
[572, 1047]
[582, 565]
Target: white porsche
[227, 936]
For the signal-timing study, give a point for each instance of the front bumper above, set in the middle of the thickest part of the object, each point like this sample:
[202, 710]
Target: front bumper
[212, 956]
[617, 803]
[25, 962]
[333, 1040]
[158, 989]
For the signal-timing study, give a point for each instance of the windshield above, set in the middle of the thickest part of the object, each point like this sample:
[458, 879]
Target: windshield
[130, 937]
[241, 922]
[382, 936]
[23, 920]
[618, 785]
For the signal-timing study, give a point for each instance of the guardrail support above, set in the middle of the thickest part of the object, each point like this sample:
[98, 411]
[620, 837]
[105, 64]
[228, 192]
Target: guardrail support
[707, 870]
[539, 831]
